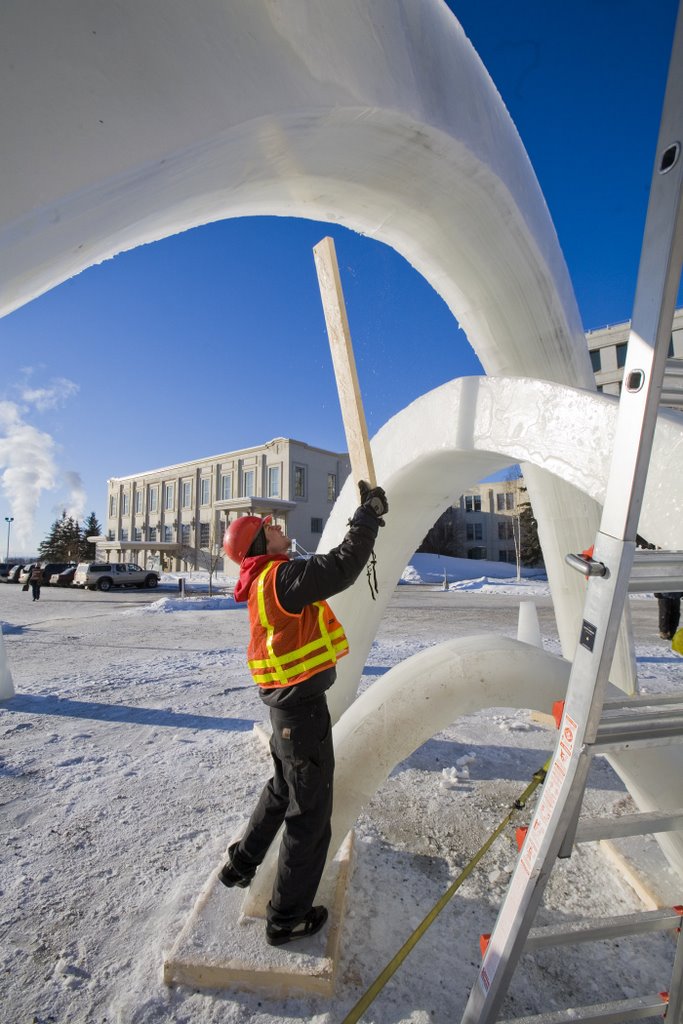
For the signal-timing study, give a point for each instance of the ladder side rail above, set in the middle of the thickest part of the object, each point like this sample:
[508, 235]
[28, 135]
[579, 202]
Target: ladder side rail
[674, 1013]
[561, 793]
[658, 276]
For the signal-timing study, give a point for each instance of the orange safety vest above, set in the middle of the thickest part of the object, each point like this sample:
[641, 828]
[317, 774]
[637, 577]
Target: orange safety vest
[286, 648]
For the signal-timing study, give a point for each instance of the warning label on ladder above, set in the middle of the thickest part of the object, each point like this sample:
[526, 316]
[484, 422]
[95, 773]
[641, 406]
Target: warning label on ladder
[550, 795]
[532, 845]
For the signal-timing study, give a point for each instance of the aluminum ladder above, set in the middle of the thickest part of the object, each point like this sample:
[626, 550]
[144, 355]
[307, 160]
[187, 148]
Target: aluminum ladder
[589, 725]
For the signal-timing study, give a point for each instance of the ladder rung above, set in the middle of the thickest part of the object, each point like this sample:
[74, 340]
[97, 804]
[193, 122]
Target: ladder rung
[643, 700]
[600, 1013]
[593, 929]
[643, 720]
[656, 571]
[646, 823]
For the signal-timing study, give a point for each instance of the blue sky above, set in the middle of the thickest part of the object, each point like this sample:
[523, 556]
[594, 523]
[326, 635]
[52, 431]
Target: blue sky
[153, 357]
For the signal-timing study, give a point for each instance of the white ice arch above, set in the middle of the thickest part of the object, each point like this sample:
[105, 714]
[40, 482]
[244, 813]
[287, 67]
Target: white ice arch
[122, 123]
[469, 426]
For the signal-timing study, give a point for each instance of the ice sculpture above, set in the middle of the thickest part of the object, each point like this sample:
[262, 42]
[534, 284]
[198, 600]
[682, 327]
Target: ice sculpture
[125, 123]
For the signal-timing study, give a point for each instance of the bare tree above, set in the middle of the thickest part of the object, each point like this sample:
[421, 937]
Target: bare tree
[208, 557]
[512, 488]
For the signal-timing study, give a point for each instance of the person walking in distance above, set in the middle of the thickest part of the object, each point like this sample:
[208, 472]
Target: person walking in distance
[293, 649]
[36, 580]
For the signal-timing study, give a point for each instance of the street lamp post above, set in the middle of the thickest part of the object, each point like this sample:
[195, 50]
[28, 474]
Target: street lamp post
[9, 520]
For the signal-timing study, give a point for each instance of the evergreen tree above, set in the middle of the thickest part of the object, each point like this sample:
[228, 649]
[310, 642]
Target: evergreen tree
[62, 542]
[48, 547]
[532, 553]
[91, 528]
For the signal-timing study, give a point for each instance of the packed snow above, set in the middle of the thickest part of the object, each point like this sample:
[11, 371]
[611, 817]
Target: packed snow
[129, 760]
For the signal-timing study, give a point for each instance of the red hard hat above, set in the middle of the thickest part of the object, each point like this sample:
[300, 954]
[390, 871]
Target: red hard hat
[240, 535]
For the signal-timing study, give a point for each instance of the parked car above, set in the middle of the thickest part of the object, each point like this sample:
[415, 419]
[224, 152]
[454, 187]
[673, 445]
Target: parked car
[25, 572]
[63, 578]
[13, 575]
[4, 569]
[105, 575]
[51, 569]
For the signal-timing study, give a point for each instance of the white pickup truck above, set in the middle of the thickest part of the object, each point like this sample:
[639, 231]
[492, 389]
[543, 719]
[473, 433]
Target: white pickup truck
[105, 575]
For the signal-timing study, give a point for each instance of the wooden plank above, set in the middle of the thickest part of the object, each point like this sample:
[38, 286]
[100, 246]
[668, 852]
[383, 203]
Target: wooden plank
[334, 307]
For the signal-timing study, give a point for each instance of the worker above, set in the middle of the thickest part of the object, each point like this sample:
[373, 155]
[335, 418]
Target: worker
[294, 646]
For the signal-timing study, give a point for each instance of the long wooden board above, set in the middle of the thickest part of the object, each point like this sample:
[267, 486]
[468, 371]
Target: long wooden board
[334, 307]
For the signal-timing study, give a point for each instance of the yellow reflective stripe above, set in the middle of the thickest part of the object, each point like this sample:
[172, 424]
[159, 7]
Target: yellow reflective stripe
[304, 666]
[301, 652]
[268, 626]
[300, 655]
[324, 631]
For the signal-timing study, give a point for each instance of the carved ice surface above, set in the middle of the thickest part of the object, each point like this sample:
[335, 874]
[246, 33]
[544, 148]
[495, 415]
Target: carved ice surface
[330, 126]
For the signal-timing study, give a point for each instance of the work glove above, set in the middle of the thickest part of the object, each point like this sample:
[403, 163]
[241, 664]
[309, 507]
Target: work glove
[374, 499]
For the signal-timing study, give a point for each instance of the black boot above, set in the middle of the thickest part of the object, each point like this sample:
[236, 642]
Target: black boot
[312, 923]
[230, 875]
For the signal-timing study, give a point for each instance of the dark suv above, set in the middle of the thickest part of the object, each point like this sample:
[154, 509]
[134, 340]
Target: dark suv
[52, 568]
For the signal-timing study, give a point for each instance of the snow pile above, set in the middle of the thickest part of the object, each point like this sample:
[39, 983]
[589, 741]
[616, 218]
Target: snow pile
[186, 604]
[425, 569]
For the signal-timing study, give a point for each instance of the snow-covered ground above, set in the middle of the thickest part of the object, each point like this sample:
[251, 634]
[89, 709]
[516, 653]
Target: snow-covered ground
[128, 759]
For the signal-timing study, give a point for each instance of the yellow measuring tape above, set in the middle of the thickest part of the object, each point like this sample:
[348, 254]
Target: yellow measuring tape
[393, 965]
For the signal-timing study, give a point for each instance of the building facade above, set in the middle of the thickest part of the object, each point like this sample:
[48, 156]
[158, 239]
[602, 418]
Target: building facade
[175, 517]
[607, 348]
[487, 520]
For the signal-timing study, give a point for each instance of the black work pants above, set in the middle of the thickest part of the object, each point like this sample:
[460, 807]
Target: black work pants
[669, 614]
[300, 795]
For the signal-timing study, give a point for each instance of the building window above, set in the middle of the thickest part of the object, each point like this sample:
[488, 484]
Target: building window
[204, 490]
[316, 525]
[137, 534]
[124, 535]
[595, 360]
[299, 481]
[503, 556]
[125, 502]
[138, 502]
[226, 487]
[331, 486]
[500, 502]
[473, 503]
[621, 355]
[204, 535]
[248, 483]
[273, 481]
[505, 530]
[153, 499]
[474, 531]
[110, 534]
[168, 534]
[169, 496]
[112, 505]
[509, 501]
[152, 533]
[476, 553]
[187, 494]
[185, 533]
